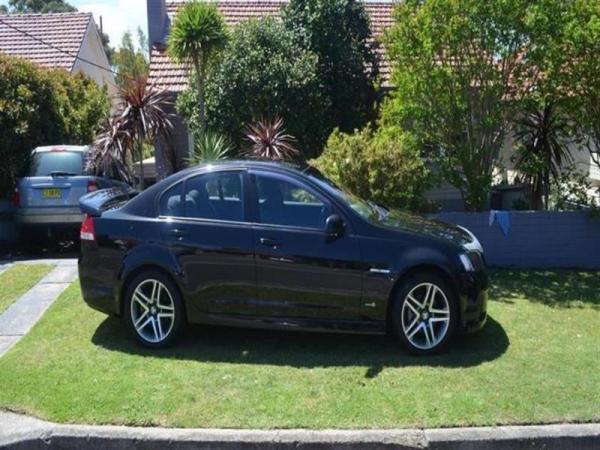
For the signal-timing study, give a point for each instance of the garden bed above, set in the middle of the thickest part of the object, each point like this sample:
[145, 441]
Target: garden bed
[536, 361]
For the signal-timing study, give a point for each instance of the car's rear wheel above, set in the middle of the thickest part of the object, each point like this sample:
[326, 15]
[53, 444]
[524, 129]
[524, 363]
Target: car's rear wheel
[424, 313]
[154, 309]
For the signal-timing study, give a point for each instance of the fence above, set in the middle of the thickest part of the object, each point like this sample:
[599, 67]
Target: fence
[569, 239]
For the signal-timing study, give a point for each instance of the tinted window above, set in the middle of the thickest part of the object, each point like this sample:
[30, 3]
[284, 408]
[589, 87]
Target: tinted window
[45, 164]
[170, 204]
[283, 203]
[215, 196]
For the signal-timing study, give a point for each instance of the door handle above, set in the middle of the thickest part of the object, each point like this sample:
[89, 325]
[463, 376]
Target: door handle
[269, 242]
[178, 233]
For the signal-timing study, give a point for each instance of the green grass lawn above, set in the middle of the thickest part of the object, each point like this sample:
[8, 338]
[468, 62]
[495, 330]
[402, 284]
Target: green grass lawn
[18, 279]
[537, 361]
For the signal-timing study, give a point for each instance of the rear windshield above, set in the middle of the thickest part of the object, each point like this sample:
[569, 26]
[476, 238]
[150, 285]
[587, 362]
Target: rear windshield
[63, 163]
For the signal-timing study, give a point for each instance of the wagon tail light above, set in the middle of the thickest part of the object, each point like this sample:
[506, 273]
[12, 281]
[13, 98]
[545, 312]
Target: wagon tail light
[92, 186]
[15, 198]
[87, 229]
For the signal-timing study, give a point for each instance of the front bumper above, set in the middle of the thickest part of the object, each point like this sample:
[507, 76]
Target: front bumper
[473, 301]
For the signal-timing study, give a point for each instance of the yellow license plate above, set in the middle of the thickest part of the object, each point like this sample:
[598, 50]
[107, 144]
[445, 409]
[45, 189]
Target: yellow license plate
[51, 193]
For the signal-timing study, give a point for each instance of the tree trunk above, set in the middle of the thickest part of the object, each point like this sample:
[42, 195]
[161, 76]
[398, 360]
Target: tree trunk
[199, 64]
[140, 146]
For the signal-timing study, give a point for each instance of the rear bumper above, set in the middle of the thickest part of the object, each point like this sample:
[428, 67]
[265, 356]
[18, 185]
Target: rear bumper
[49, 216]
[97, 282]
[473, 301]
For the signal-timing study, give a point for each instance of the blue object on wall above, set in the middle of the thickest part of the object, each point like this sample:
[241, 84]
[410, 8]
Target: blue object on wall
[503, 219]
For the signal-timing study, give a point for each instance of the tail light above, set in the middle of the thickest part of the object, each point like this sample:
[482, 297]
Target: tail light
[87, 229]
[16, 198]
[92, 186]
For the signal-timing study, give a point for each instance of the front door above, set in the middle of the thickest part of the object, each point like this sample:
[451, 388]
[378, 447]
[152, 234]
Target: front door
[301, 272]
[206, 229]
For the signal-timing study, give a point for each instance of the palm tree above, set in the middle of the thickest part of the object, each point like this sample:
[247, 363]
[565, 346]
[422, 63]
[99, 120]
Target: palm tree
[109, 152]
[544, 136]
[197, 34]
[143, 115]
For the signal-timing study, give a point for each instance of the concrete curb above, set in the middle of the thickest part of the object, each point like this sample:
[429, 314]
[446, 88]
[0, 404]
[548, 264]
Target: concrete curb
[22, 432]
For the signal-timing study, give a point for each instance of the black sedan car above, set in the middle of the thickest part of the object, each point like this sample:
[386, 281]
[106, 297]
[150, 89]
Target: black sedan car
[257, 244]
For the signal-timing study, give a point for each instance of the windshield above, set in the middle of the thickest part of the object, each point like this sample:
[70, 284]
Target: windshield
[367, 210]
[45, 164]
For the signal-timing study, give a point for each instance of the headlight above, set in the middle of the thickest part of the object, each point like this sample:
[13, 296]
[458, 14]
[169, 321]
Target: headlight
[474, 245]
[466, 262]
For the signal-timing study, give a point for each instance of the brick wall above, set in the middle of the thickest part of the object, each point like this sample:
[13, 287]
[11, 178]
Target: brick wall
[536, 239]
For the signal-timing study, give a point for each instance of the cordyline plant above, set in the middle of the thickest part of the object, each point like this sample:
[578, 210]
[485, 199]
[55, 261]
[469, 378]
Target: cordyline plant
[269, 141]
[144, 115]
[544, 136]
[109, 151]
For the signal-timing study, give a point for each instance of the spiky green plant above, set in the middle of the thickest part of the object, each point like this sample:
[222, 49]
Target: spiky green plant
[197, 34]
[210, 146]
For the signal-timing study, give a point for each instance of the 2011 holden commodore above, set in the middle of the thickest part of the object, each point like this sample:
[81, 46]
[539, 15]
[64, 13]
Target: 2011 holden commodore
[269, 245]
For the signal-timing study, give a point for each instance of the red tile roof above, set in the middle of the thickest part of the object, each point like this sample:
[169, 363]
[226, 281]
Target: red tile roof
[63, 30]
[166, 74]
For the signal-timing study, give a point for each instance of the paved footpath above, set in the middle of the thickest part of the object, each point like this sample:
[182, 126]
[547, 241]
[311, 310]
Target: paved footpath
[23, 314]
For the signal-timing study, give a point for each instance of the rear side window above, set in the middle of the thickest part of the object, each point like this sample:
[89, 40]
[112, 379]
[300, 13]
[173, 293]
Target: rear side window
[170, 204]
[215, 196]
[45, 164]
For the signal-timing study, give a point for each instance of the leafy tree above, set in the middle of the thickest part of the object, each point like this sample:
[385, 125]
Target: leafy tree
[338, 32]
[41, 107]
[197, 34]
[3, 9]
[263, 73]
[131, 62]
[461, 69]
[580, 47]
[384, 166]
[40, 6]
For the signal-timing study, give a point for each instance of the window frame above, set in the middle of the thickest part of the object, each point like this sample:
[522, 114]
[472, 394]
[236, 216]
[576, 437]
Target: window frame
[244, 197]
[253, 199]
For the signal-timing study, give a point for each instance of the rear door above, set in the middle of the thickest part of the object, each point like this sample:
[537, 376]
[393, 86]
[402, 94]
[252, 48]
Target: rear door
[55, 179]
[204, 223]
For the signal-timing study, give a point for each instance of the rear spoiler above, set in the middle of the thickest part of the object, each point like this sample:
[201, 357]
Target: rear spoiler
[95, 203]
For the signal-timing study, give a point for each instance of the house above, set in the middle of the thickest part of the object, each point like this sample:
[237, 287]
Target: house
[166, 74]
[69, 41]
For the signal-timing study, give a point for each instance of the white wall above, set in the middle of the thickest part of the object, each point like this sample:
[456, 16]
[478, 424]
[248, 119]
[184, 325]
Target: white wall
[93, 51]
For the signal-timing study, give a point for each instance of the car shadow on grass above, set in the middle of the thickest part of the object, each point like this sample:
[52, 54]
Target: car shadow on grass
[308, 350]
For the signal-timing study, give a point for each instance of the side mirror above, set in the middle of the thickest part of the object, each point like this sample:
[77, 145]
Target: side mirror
[334, 226]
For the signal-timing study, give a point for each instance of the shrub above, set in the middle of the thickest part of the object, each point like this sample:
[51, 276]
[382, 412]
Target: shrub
[43, 107]
[384, 166]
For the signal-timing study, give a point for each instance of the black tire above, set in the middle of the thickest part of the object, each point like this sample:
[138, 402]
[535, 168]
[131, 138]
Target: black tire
[428, 322]
[146, 279]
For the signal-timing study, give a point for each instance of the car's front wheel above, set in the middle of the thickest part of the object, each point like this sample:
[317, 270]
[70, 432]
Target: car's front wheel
[153, 309]
[424, 313]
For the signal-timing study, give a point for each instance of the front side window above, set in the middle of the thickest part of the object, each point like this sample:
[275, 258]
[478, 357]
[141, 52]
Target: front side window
[216, 196]
[281, 202]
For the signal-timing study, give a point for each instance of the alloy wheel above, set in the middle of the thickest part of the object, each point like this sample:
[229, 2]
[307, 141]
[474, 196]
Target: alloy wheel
[425, 316]
[152, 311]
